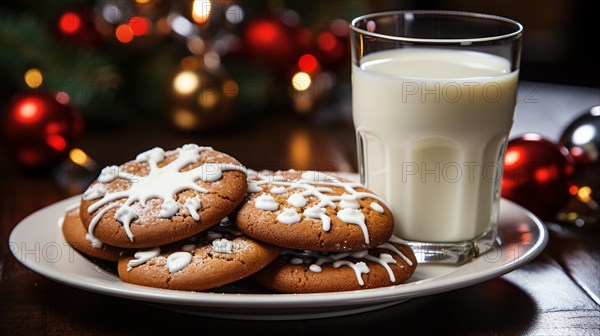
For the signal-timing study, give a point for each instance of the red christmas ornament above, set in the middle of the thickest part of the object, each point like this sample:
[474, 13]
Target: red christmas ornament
[40, 129]
[537, 173]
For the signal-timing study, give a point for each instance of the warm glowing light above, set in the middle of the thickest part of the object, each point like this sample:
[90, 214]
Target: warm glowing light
[212, 60]
[33, 78]
[584, 194]
[186, 82]
[545, 174]
[189, 63]
[208, 99]
[62, 97]
[56, 141]
[263, 34]
[300, 149]
[29, 110]
[79, 157]
[301, 81]
[308, 63]
[573, 190]
[231, 88]
[69, 22]
[583, 134]
[124, 33]
[327, 41]
[201, 10]
[512, 157]
[141, 2]
[139, 26]
[185, 119]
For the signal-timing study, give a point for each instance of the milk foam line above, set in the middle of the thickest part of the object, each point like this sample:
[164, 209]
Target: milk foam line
[161, 182]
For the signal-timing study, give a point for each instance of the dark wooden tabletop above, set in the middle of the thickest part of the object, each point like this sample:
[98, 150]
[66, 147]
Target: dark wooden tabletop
[556, 294]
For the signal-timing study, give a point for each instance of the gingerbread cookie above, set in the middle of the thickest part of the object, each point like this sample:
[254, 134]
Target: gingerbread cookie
[162, 197]
[211, 259]
[390, 263]
[313, 211]
[76, 235]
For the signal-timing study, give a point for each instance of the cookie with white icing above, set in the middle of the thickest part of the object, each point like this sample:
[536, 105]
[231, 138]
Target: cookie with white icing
[313, 211]
[76, 235]
[162, 197]
[389, 264]
[206, 261]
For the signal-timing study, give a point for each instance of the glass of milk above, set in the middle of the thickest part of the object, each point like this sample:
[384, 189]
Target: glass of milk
[433, 96]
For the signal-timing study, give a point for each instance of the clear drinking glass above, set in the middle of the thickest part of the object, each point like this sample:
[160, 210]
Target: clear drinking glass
[433, 96]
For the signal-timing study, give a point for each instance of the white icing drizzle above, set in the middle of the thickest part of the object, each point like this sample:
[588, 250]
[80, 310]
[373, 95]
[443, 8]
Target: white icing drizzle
[95, 191]
[316, 260]
[359, 269]
[188, 247]
[354, 216]
[169, 208]
[141, 257]
[393, 248]
[97, 218]
[278, 190]
[289, 216]
[161, 182]
[253, 187]
[222, 246]
[125, 214]
[349, 202]
[317, 184]
[95, 242]
[376, 207]
[320, 213]
[178, 261]
[316, 176]
[266, 202]
[193, 205]
[296, 200]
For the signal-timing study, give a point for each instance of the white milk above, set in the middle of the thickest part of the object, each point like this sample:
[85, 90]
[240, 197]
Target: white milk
[433, 125]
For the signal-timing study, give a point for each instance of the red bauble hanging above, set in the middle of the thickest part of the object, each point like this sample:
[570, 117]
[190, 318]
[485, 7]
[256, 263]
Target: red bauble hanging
[537, 173]
[41, 128]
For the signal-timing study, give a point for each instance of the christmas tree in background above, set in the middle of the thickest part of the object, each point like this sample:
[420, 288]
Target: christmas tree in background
[199, 64]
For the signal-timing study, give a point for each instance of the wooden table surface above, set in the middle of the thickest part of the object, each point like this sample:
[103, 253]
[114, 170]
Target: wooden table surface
[556, 294]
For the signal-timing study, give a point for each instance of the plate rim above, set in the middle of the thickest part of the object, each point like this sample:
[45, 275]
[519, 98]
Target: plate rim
[451, 281]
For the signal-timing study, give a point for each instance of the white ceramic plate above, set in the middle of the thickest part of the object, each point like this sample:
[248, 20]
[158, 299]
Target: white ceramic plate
[37, 242]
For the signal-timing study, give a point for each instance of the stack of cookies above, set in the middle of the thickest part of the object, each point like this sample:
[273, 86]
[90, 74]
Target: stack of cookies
[165, 219]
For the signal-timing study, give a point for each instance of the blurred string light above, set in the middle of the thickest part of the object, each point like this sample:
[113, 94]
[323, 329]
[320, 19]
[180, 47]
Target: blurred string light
[234, 14]
[111, 13]
[181, 25]
[301, 81]
[186, 82]
[79, 157]
[201, 10]
[124, 33]
[69, 22]
[140, 26]
[308, 63]
[33, 78]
